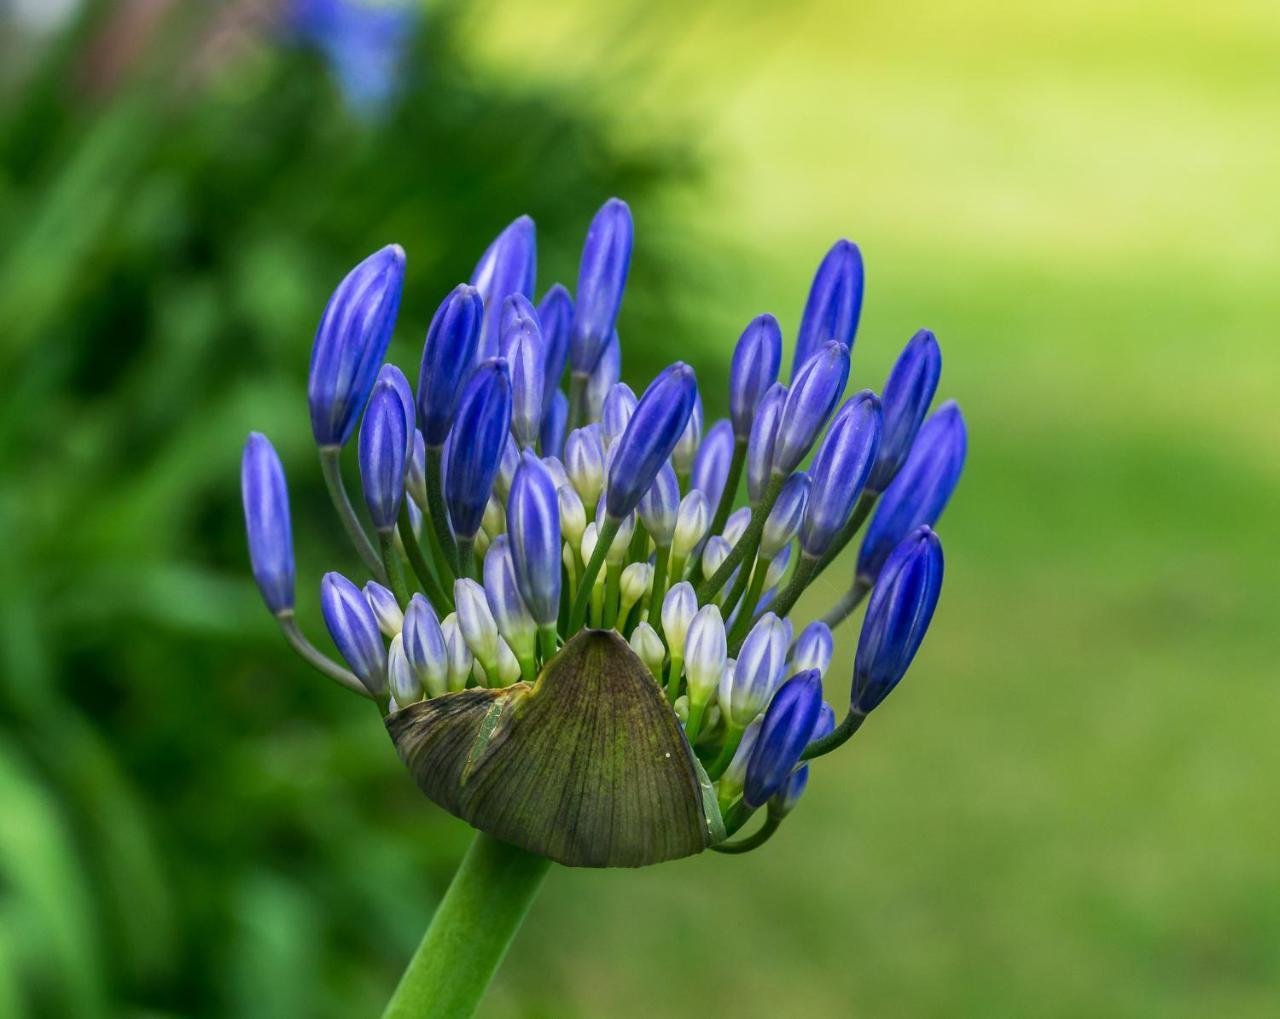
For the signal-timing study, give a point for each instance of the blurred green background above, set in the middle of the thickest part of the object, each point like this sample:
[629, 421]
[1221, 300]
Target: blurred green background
[1070, 807]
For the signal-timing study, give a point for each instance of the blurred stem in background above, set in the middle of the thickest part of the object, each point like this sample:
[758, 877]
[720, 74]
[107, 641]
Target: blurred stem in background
[194, 823]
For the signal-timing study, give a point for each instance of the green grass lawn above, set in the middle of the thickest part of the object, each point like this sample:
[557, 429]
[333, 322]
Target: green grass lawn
[1069, 808]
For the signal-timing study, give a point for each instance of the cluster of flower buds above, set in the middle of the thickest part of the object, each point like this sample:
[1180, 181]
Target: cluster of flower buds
[524, 497]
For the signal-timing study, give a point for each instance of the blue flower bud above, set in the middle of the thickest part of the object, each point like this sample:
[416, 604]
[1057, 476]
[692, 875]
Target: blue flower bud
[619, 405]
[711, 466]
[514, 308]
[475, 620]
[573, 515]
[386, 610]
[736, 525]
[506, 467]
[659, 418]
[840, 470]
[784, 734]
[693, 518]
[406, 687]
[920, 492]
[686, 451]
[383, 445]
[533, 523]
[266, 522]
[522, 343]
[351, 341]
[784, 801]
[448, 356]
[659, 506]
[558, 474]
[705, 652]
[758, 671]
[507, 267]
[814, 648]
[459, 659]
[484, 417]
[389, 373]
[906, 399]
[760, 444]
[584, 462]
[777, 567]
[756, 360]
[355, 632]
[555, 313]
[554, 422]
[415, 471]
[730, 784]
[602, 275]
[678, 609]
[898, 615]
[714, 553]
[834, 304]
[606, 374]
[424, 646]
[785, 517]
[825, 725]
[512, 615]
[815, 391]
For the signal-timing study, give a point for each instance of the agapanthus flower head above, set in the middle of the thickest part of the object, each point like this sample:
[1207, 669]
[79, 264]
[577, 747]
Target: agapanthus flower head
[920, 492]
[508, 266]
[351, 341]
[602, 276]
[573, 592]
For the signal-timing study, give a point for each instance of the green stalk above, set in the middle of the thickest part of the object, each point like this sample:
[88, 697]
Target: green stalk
[470, 932]
[421, 568]
[806, 570]
[725, 506]
[612, 582]
[771, 824]
[467, 558]
[849, 601]
[316, 658]
[608, 530]
[577, 400]
[659, 591]
[331, 469]
[391, 563]
[436, 508]
[547, 642]
[746, 544]
[693, 727]
[850, 528]
[673, 678]
[839, 737]
[732, 740]
[638, 550]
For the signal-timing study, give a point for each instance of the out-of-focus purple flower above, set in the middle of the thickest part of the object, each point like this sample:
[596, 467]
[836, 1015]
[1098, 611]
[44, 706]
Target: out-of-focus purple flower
[508, 266]
[484, 418]
[834, 304]
[840, 470]
[656, 424]
[555, 314]
[602, 276]
[266, 522]
[447, 359]
[355, 632]
[906, 399]
[814, 394]
[756, 360]
[383, 444]
[760, 445]
[784, 734]
[711, 465]
[351, 341]
[898, 616]
[533, 522]
[920, 492]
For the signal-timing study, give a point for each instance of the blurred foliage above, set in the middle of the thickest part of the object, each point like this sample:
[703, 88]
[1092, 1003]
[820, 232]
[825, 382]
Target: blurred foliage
[193, 822]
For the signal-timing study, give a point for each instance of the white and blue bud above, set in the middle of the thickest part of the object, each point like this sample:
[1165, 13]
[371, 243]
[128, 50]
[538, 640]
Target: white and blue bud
[678, 609]
[355, 632]
[459, 658]
[573, 517]
[475, 620]
[649, 648]
[634, 586]
[686, 448]
[424, 646]
[761, 665]
[515, 623]
[386, 610]
[659, 506]
[814, 648]
[786, 516]
[406, 688]
[706, 649]
[618, 407]
[584, 463]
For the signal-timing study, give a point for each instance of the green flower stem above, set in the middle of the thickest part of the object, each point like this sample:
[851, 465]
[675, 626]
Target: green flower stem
[673, 678]
[612, 582]
[838, 738]
[596, 615]
[660, 563]
[725, 506]
[806, 570]
[547, 642]
[577, 400]
[732, 740]
[608, 530]
[316, 658]
[849, 601]
[391, 563]
[746, 544]
[638, 550]
[421, 568]
[470, 932]
[771, 824]
[693, 727]
[467, 558]
[436, 508]
[755, 589]
[331, 469]
[851, 527]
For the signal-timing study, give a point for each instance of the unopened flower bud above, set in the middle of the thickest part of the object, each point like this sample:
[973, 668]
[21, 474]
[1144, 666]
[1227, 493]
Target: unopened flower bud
[784, 519]
[619, 405]
[515, 623]
[508, 666]
[584, 463]
[756, 360]
[815, 391]
[784, 734]
[383, 445]
[678, 609]
[355, 632]
[659, 506]
[602, 275]
[692, 521]
[759, 670]
[711, 466]
[475, 620]
[764, 430]
[448, 356]
[636, 581]
[405, 686]
[266, 521]
[705, 651]
[424, 646]
[686, 448]
[834, 304]
[534, 517]
[508, 266]
[460, 660]
[651, 434]
[483, 420]
[386, 610]
[814, 648]
[649, 648]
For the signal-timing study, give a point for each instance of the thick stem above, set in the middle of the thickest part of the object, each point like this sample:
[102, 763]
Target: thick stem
[421, 568]
[732, 740]
[331, 469]
[746, 544]
[753, 591]
[849, 601]
[391, 563]
[470, 932]
[753, 841]
[725, 506]
[316, 658]
[577, 400]
[467, 558]
[436, 509]
[838, 738]
[674, 677]
[607, 532]
[659, 591]
[612, 579]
